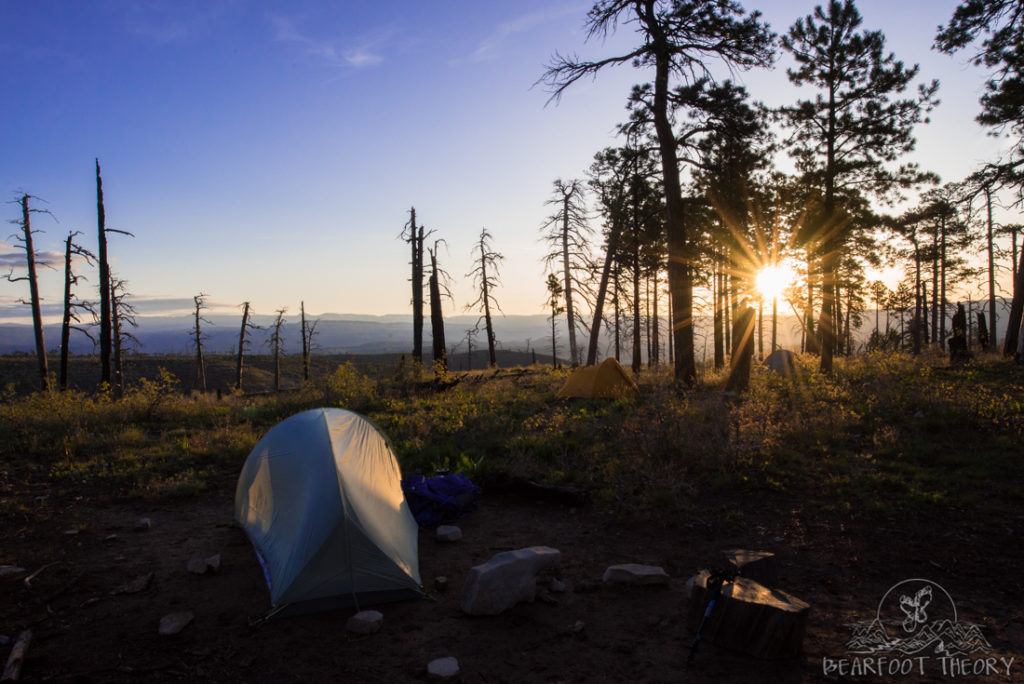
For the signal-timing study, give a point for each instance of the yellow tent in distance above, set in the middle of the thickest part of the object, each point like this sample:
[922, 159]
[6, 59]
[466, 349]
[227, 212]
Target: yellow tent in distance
[608, 380]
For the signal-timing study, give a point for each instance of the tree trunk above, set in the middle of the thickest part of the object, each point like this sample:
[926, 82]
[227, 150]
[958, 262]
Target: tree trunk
[492, 356]
[680, 277]
[200, 383]
[810, 335]
[618, 338]
[602, 289]
[760, 327]
[942, 285]
[104, 284]
[115, 328]
[991, 275]
[742, 351]
[718, 305]
[637, 353]
[1013, 324]
[570, 313]
[240, 359]
[655, 333]
[554, 338]
[775, 322]
[436, 316]
[65, 325]
[33, 286]
[915, 329]
[935, 288]
[305, 341]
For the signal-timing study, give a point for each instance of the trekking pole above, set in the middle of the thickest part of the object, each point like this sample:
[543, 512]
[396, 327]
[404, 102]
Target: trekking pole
[714, 592]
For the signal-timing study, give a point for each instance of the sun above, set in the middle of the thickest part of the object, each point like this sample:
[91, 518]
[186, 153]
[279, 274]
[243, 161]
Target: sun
[773, 280]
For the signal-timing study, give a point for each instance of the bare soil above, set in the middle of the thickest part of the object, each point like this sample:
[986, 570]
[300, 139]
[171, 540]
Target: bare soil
[842, 567]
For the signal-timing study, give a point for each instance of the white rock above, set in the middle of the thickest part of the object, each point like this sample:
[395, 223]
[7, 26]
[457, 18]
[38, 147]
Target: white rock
[172, 623]
[140, 583]
[634, 573]
[200, 566]
[449, 533]
[365, 622]
[508, 578]
[443, 668]
[578, 626]
[11, 571]
[143, 524]
[196, 565]
[558, 586]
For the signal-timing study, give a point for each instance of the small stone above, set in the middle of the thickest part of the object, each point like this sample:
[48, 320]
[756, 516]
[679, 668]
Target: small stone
[143, 525]
[11, 571]
[578, 627]
[365, 622]
[441, 583]
[634, 573]
[172, 623]
[919, 415]
[110, 538]
[140, 583]
[200, 566]
[558, 586]
[449, 533]
[71, 531]
[213, 562]
[443, 668]
[196, 565]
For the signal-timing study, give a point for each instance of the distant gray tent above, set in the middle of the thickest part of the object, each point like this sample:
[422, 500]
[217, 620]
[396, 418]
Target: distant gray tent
[781, 361]
[320, 497]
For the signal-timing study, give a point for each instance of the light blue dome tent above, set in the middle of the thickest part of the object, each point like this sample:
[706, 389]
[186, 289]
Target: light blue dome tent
[320, 497]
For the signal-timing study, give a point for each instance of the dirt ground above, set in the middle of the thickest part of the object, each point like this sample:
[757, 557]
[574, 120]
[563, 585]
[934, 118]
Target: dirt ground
[83, 633]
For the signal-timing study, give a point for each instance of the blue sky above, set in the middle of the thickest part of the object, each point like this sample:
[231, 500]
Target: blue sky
[270, 151]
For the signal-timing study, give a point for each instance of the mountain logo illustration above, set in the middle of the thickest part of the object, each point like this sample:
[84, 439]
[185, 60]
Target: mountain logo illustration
[917, 616]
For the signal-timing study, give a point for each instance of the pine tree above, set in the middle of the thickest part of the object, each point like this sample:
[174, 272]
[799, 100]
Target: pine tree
[678, 40]
[851, 133]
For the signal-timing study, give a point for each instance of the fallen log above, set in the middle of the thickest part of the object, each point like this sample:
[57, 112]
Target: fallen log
[750, 618]
[12, 670]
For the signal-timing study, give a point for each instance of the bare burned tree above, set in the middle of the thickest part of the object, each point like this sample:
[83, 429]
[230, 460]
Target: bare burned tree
[439, 288]
[678, 39]
[198, 336]
[415, 236]
[31, 261]
[243, 342]
[308, 331]
[485, 279]
[122, 318]
[106, 328]
[276, 343]
[555, 302]
[72, 305]
[567, 234]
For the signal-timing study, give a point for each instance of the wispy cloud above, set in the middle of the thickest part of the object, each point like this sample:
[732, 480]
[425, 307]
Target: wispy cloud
[491, 46]
[361, 53]
[14, 258]
[180, 21]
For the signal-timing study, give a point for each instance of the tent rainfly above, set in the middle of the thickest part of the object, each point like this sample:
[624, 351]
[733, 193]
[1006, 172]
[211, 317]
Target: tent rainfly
[607, 380]
[320, 497]
[781, 361]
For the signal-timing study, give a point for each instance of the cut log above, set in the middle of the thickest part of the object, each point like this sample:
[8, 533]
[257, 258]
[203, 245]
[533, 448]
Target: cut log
[759, 566]
[750, 618]
[12, 670]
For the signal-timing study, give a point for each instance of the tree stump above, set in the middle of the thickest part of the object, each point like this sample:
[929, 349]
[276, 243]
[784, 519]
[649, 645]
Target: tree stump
[759, 566]
[750, 618]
